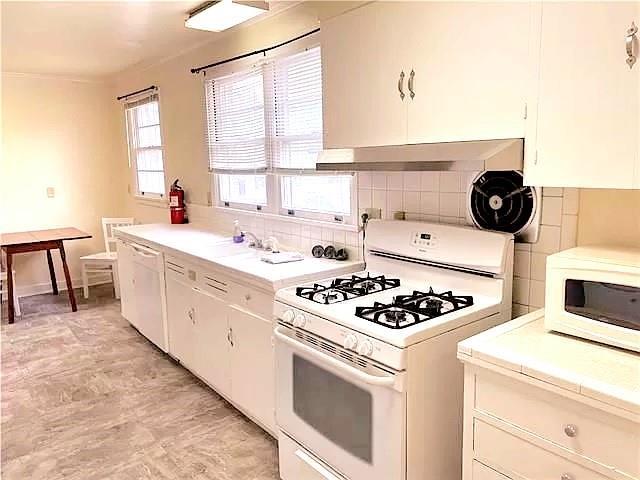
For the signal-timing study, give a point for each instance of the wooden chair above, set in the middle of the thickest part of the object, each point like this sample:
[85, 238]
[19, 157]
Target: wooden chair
[107, 261]
[4, 291]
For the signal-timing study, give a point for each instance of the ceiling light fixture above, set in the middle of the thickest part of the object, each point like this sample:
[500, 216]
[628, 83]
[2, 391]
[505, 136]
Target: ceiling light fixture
[222, 14]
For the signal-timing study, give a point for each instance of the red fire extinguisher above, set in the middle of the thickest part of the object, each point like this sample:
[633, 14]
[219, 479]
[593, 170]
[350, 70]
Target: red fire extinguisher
[176, 203]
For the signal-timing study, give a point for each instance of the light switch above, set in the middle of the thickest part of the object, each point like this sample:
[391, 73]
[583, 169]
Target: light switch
[51, 192]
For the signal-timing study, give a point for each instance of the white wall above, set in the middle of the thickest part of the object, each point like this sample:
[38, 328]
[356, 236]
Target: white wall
[58, 133]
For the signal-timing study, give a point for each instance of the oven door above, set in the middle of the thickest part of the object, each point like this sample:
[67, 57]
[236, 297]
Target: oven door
[350, 415]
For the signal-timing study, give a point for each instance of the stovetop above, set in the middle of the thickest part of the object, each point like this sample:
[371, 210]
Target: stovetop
[407, 310]
[401, 311]
[346, 288]
[428, 304]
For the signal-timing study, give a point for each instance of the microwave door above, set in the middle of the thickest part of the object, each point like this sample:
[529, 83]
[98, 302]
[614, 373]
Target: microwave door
[350, 418]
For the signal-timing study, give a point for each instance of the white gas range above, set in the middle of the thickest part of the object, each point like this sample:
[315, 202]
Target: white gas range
[367, 380]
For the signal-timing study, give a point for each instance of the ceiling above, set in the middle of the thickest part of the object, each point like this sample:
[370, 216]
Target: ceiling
[93, 39]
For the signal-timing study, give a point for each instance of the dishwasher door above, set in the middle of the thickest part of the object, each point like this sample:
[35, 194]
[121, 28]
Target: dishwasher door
[150, 301]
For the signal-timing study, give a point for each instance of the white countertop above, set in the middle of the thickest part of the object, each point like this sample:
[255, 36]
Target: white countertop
[202, 244]
[523, 345]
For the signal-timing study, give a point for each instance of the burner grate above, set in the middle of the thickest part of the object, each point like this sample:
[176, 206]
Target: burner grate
[408, 310]
[342, 289]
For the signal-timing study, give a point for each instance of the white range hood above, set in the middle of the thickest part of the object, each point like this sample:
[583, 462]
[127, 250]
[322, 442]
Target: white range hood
[507, 154]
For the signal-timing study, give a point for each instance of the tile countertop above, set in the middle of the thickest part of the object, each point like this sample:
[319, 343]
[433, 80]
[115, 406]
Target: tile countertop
[204, 245]
[607, 374]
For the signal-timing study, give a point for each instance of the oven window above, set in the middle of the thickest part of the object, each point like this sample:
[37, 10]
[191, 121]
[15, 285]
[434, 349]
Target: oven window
[605, 302]
[334, 407]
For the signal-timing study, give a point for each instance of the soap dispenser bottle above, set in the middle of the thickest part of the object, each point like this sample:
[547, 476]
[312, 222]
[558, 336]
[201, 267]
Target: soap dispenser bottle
[237, 233]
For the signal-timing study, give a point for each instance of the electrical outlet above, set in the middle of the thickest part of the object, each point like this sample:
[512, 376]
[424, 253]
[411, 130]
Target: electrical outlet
[51, 192]
[373, 213]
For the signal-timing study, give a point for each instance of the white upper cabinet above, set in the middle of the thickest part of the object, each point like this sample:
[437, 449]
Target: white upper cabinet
[584, 130]
[470, 70]
[411, 72]
[360, 71]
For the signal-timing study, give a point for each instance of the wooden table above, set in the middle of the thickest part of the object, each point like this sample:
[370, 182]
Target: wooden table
[38, 240]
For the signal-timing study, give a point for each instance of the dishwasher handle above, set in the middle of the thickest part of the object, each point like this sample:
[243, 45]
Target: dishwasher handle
[144, 251]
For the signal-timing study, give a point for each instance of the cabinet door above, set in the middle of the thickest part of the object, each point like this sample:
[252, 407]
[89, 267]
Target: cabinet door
[211, 343]
[362, 57]
[125, 273]
[180, 320]
[470, 61]
[252, 365]
[586, 130]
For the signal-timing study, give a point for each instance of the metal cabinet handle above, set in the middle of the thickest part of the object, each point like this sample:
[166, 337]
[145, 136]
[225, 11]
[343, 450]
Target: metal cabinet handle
[230, 337]
[570, 430]
[630, 38]
[566, 476]
[191, 315]
[401, 85]
[247, 296]
[410, 84]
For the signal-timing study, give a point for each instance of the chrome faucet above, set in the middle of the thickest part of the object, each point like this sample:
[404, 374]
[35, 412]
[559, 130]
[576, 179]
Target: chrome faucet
[255, 241]
[270, 244]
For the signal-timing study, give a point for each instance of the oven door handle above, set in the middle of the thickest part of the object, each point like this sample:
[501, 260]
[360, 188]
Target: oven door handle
[388, 382]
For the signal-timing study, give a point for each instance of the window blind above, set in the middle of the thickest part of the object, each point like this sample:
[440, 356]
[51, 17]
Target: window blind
[145, 144]
[236, 122]
[296, 89]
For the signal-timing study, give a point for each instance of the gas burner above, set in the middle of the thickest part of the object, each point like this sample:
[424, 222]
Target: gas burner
[407, 310]
[341, 289]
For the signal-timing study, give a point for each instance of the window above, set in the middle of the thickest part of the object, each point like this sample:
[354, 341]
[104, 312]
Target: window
[264, 130]
[145, 145]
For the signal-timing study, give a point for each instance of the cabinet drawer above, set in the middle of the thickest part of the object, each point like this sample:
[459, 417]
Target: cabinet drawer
[516, 455]
[580, 428]
[480, 471]
[296, 463]
[251, 300]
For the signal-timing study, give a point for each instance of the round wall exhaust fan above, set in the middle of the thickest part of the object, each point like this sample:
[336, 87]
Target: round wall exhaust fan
[498, 200]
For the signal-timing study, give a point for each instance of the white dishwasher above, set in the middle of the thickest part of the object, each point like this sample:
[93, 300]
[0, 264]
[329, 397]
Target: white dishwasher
[150, 316]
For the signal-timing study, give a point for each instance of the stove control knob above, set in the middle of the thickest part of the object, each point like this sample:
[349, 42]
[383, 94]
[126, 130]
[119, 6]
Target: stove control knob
[366, 348]
[287, 316]
[350, 342]
[299, 321]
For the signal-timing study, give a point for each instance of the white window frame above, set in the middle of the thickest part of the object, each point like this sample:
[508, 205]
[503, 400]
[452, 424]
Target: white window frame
[133, 152]
[273, 179]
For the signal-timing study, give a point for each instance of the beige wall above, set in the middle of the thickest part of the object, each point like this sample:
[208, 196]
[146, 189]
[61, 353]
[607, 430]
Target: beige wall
[58, 133]
[610, 217]
[181, 95]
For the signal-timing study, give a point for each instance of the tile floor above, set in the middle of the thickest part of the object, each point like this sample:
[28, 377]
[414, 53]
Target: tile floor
[85, 397]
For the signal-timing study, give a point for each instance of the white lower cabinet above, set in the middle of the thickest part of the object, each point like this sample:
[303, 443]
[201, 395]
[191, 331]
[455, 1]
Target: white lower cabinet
[211, 342]
[252, 365]
[179, 314]
[519, 430]
[227, 345]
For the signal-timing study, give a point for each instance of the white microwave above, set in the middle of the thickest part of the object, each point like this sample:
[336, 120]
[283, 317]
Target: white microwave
[594, 293]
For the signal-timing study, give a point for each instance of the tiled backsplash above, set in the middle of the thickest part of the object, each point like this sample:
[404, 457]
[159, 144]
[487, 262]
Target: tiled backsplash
[558, 232]
[427, 196]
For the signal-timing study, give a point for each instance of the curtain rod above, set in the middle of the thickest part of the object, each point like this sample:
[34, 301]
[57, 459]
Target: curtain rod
[122, 97]
[255, 52]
